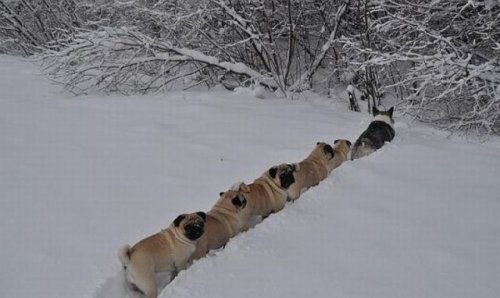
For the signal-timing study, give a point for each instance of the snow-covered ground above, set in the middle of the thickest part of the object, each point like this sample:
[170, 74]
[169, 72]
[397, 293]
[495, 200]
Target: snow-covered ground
[79, 177]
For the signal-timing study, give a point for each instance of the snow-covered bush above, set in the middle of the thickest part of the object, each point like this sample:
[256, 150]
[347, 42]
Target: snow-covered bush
[279, 44]
[128, 61]
[440, 58]
[27, 27]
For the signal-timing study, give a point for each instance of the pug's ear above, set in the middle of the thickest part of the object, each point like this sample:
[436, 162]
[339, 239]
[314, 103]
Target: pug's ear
[178, 220]
[328, 151]
[244, 187]
[203, 215]
[335, 142]
[295, 167]
[348, 143]
[239, 203]
[221, 194]
[273, 171]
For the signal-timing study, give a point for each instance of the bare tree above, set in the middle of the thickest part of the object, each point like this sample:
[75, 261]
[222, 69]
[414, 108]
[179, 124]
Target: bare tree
[274, 39]
[441, 58]
[28, 27]
[126, 61]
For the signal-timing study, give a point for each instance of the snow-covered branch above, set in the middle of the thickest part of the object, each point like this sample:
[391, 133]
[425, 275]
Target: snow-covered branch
[127, 61]
[307, 75]
[440, 58]
[450, 71]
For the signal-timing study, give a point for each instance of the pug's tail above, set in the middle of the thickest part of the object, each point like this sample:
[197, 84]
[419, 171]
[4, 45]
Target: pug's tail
[124, 254]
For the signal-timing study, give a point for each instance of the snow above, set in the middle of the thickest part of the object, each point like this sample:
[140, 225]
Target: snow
[79, 177]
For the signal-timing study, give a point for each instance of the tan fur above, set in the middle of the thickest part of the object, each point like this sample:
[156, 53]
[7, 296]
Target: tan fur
[341, 149]
[224, 221]
[311, 171]
[265, 195]
[317, 166]
[167, 251]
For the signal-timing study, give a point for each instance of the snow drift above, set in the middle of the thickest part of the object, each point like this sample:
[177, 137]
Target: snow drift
[79, 177]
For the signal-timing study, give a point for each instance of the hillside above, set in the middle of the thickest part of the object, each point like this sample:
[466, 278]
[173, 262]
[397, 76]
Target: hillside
[79, 177]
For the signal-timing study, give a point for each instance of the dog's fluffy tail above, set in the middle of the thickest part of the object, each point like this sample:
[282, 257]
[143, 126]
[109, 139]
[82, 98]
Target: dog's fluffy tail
[124, 254]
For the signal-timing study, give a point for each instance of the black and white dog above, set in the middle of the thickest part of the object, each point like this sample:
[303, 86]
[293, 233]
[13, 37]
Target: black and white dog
[379, 131]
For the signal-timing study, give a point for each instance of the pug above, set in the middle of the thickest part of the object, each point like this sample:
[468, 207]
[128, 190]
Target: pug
[225, 220]
[268, 193]
[318, 165]
[170, 250]
[341, 150]
[313, 169]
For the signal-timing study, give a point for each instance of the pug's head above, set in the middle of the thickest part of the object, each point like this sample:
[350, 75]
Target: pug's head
[282, 175]
[326, 149]
[192, 225]
[234, 197]
[343, 146]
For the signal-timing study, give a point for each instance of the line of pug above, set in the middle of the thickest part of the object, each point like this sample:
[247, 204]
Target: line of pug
[191, 236]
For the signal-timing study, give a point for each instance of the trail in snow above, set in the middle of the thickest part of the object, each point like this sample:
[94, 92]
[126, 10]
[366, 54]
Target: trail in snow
[79, 177]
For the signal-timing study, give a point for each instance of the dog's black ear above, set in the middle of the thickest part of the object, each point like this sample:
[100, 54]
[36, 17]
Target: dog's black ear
[203, 215]
[317, 143]
[390, 111]
[295, 167]
[237, 202]
[273, 171]
[221, 194]
[335, 142]
[178, 220]
[375, 111]
[328, 151]
[348, 143]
